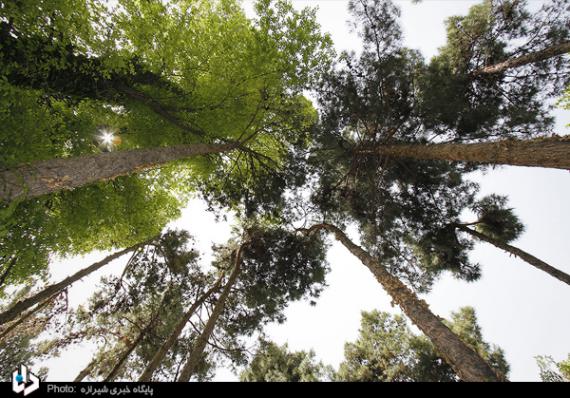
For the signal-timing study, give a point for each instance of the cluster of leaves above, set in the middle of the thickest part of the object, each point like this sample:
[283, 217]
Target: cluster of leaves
[274, 363]
[387, 350]
[277, 267]
[70, 70]
[552, 371]
[389, 95]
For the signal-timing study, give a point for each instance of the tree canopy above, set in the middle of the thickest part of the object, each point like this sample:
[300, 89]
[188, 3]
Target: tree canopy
[113, 115]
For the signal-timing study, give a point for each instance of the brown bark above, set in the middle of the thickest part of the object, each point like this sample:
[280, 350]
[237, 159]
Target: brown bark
[23, 305]
[550, 152]
[529, 258]
[158, 357]
[47, 176]
[86, 371]
[200, 344]
[468, 365]
[552, 51]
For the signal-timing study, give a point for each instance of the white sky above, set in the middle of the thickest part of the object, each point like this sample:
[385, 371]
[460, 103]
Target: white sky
[521, 309]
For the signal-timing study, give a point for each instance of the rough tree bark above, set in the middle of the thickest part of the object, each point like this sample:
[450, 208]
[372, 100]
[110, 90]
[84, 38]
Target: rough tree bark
[552, 51]
[159, 356]
[529, 258]
[47, 176]
[468, 365]
[550, 152]
[49, 291]
[200, 344]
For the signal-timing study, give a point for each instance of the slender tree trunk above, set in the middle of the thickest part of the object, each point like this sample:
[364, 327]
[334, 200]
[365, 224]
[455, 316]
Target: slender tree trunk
[468, 365]
[553, 51]
[86, 371]
[49, 291]
[7, 271]
[550, 152]
[53, 175]
[202, 340]
[159, 356]
[20, 320]
[142, 333]
[529, 258]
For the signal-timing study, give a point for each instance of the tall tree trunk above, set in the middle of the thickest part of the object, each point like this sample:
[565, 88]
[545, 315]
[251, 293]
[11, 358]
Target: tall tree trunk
[86, 371]
[142, 333]
[200, 343]
[53, 175]
[529, 258]
[551, 152]
[7, 270]
[159, 356]
[552, 51]
[14, 325]
[49, 291]
[468, 365]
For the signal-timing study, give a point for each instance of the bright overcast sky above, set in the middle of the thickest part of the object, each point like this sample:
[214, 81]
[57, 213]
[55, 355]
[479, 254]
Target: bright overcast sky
[521, 309]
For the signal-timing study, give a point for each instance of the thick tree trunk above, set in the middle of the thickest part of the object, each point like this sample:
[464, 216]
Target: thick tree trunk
[529, 258]
[553, 51]
[550, 152]
[468, 365]
[86, 371]
[159, 356]
[47, 176]
[49, 291]
[202, 340]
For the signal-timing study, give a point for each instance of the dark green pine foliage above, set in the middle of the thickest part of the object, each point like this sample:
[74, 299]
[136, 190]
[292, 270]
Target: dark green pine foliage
[458, 104]
[387, 350]
[275, 363]
[387, 95]
[278, 267]
[139, 309]
[449, 245]
[369, 100]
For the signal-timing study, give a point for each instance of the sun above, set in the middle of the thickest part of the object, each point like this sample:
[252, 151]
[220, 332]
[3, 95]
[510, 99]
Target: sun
[107, 137]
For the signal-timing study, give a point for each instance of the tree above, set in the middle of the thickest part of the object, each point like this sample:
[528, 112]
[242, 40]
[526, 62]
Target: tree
[496, 224]
[552, 152]
[388, 102]
[464, 360]
[274, 363]
[84, 81]
[50, 290]
[21, 343]
[126, 317]
[553, 371]
[386, 350]
[270, 267]
[161, 353]
[48, 176]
